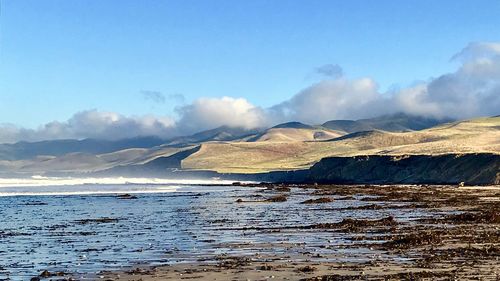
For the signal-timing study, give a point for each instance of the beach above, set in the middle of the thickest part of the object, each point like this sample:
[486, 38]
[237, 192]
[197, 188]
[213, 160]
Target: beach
[288, 232]
[443, 233]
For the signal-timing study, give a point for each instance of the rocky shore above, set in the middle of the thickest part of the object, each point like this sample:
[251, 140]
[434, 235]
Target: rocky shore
[438, 233]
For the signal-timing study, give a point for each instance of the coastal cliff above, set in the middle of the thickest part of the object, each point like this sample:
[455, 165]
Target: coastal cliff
[476, 168]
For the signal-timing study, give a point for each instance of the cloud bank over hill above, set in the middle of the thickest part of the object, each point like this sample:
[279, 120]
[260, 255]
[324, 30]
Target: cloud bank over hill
[209, 113]
[472, 90]
[92, 124]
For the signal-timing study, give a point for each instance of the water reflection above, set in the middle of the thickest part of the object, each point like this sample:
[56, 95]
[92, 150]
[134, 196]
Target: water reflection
[88, 233]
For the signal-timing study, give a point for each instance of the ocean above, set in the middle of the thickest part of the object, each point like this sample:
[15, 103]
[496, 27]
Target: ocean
[84, 227]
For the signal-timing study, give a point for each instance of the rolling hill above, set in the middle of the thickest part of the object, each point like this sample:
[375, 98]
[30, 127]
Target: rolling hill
[399, 122]
[223, 133]
[28, 150]
[295, 131]
[473, 136]
[284, 147]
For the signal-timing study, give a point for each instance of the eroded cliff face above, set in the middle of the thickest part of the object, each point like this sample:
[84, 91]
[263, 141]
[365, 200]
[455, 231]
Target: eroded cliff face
[474, 168]
[478, 168]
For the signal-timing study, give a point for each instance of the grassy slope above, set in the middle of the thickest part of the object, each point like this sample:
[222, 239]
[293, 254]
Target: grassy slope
[84, 162]
[297, 134]
[479, 135]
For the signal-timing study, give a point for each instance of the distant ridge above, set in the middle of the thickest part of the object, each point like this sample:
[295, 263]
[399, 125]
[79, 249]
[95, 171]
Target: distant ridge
[293, 125]
[348, 126]
[295, 131]
[222, 133]
[28, 150]
[399, 122]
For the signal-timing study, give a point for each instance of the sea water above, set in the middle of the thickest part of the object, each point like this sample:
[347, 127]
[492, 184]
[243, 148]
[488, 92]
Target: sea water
[83, 228]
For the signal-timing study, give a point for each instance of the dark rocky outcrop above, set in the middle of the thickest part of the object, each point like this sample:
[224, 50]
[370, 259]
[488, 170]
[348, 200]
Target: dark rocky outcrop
[477, 168]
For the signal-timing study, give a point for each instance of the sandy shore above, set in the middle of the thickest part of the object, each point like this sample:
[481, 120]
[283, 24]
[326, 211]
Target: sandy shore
[279, 268]
[460, 240]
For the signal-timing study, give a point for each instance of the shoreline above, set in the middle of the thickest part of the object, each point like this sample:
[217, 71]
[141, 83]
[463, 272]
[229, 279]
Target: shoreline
[469, 168]
[460, 240]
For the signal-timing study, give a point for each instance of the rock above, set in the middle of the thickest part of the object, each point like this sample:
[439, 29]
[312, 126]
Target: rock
[126, 196]
[318, 201]
[307, 268]
[277, 198]
[98, 220]
[265, 267]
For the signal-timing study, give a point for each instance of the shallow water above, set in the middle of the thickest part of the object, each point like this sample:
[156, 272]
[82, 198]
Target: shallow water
[42, 229]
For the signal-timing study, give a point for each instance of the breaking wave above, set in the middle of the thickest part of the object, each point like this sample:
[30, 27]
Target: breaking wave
[39, 185]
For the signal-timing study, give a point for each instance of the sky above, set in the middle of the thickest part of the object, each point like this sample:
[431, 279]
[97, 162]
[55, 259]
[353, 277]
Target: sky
[110, 69]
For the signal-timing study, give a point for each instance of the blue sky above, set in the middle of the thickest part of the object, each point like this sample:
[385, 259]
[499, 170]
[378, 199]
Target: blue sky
[60, 57]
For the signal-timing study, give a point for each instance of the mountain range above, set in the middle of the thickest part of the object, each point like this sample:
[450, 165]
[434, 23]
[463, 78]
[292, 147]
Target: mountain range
[284, 147]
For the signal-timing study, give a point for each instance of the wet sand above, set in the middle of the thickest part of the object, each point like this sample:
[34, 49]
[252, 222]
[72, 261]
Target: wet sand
[454, 235]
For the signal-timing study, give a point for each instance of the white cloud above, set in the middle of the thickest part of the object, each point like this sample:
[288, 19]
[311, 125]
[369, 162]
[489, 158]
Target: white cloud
[92, 124]
[331, 99]
[202, 114]
[478, 50]
[98, 124]
[208, 113]
[472, 90]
